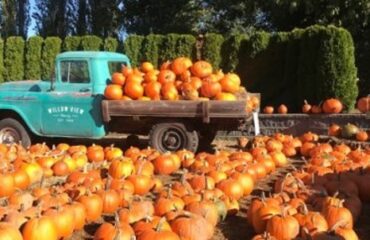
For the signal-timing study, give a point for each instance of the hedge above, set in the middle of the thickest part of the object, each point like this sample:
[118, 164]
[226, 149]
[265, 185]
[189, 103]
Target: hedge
[230, 52]
[71, 43]
[14, 59]
[211, 51]
[150, 48]
[33, 58]
[1, 60]
[327, 65]
[285, 67]
[110, 44]
[91, 43]
[132, 48]
[52, 47]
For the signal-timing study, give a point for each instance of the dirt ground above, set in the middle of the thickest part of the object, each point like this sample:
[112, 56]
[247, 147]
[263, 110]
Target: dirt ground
[234, 227]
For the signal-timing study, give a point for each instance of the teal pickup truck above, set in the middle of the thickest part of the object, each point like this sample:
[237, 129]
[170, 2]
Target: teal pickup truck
[71, 104]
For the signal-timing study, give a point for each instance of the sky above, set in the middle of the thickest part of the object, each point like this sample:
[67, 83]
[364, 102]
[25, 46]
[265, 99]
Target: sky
[31, 31]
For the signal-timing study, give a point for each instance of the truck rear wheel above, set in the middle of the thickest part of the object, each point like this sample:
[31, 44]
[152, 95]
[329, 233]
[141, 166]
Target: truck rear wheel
[173, 137]
[12, 131]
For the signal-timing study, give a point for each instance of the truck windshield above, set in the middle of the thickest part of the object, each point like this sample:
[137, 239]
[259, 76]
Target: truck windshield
[116, 67]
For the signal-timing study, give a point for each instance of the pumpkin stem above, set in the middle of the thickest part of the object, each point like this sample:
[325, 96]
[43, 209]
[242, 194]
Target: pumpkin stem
[160, 224]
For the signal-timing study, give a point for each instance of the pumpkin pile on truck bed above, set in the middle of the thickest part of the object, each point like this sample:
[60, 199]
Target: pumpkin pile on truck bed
[180, 79]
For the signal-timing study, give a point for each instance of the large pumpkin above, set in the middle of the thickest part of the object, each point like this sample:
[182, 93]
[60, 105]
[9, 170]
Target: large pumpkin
[230, 83]
[332, 105]
[201, 69]
[181, 65]
[363, 104]
[113, 92]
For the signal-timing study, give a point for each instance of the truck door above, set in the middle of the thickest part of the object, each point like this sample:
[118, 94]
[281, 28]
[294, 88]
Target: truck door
[68, 109]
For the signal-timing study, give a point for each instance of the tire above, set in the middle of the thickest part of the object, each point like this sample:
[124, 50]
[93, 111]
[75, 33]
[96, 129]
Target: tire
[173, 137]
[12, 131]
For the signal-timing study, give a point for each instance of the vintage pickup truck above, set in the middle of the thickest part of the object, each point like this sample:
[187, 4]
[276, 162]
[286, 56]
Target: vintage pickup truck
[71, 104]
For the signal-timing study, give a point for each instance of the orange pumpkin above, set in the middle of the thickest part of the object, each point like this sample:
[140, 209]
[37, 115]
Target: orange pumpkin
[306, 108]
[268, 109]
[334, 130]
[118, 78]
[282, 109]
[113, 92]
[332, 105]
[166, 76]
[146, 67]
[362, 136]
[230, 83]
[363, 104]
[210, 89]
[201, 69]
[181, 65]
[134, 90]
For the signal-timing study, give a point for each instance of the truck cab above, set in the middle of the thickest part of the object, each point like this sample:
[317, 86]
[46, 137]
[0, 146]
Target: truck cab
[66, 105]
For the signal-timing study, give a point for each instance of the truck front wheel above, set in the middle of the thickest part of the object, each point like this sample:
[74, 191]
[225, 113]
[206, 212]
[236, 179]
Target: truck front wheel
[12, 131]
[173, 137]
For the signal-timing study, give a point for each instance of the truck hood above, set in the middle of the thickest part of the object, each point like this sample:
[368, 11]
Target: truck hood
[25, 86]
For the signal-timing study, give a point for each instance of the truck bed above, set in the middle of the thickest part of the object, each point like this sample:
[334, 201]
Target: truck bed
[175, 109]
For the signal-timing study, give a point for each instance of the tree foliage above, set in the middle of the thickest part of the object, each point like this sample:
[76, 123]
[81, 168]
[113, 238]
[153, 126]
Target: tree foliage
[33, 58]
[14, 58]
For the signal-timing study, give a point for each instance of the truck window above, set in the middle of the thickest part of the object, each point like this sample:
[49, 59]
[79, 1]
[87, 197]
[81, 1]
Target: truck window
[115, 66]
[75, 71]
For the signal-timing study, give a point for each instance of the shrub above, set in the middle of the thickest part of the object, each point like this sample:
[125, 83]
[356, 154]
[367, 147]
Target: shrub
[230, 52]
[71, 43]
[150, 48]
[168, 50]
[132, 48]
[14, 59]
[33, 58]
[52, 47]
[1, 60]
[211, 51]
[110, 44]
[186, 46]
[91, 43]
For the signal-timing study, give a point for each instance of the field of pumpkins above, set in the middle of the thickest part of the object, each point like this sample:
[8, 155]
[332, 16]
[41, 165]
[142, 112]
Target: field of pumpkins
[273, 187]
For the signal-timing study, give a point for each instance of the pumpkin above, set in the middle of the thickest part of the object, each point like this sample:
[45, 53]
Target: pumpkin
[9, 232]
[362, 136]
[111, 200]
[121, 168]
[283, 109]
[134, 90]
[118, 78]
[165, 164]
[153, 90]
[201, 69]
[224, 96]
[230, 83]
[63, 218]
[192, 227]
[113, 92]
[337, 213]
[349, 130]
[151, 76]
[42, 228]
[232, 188]
[169, 91]
[283, 227]
[316, 109]
[93, 204]
[79, 211]
[306, 108]
[181, 65]
[146, 67]
[210, 89]
[268, 109]
[332, 105]
[7, 185]
[206, 209]
[363, 104]
[142, 183]
[166, 76]
[334, 130]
